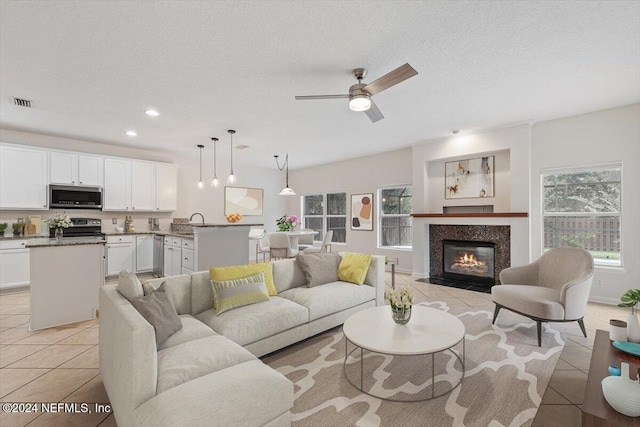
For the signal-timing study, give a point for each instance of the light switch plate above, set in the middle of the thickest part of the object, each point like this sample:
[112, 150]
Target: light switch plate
[114, 220]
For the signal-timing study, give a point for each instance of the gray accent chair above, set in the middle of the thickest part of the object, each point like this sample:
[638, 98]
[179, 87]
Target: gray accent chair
[555, 288]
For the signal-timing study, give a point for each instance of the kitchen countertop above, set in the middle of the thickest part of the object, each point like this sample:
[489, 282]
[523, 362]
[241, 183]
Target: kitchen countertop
[68, 241]
[158, 232]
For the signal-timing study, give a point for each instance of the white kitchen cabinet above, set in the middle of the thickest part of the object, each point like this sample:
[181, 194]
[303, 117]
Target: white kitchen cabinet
[63, 167]
[166, 187]
[117, 185]
[143, 184]
[144, 253]
[121, 253]
[23, 178]
[174, 253]
[90, 170]
[67, 167]
[14, 264]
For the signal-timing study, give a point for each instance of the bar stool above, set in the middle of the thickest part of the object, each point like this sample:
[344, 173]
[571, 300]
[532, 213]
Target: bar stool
[257, 234]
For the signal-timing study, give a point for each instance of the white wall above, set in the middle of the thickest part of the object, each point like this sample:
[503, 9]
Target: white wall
[363, 175]
[512, 189]
[604, 136]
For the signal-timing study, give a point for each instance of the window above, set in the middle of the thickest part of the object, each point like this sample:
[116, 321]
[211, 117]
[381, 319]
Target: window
[582, 209]
[395, 217]
[334, 218]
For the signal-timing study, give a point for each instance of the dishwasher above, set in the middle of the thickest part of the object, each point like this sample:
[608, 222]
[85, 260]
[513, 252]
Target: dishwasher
[158, 256]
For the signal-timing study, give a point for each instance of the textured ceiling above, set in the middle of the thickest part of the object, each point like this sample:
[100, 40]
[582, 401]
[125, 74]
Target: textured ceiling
[93, 67]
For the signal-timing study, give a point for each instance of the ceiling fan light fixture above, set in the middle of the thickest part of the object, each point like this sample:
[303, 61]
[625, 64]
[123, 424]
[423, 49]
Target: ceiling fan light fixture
[360, 102]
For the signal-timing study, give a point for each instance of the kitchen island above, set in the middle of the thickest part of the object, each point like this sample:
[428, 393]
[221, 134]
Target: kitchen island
[220, 245]
[65, 280]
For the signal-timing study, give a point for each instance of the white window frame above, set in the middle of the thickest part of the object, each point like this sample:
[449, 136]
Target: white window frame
[600, 263]
[325, 216]
[381, 215]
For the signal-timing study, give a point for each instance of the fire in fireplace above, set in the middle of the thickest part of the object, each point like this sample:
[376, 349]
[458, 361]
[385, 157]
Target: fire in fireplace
[468, 261]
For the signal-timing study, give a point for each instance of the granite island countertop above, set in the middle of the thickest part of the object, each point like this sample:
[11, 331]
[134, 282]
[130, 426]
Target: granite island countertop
[43, 242]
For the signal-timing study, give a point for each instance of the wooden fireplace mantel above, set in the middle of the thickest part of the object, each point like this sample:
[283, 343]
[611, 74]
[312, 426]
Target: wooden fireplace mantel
[473, 215]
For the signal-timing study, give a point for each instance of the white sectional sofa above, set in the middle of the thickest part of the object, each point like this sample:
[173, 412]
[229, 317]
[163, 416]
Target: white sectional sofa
[208, 373]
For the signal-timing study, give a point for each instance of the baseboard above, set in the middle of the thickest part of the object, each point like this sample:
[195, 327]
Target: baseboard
[419, 275]
[604, 300]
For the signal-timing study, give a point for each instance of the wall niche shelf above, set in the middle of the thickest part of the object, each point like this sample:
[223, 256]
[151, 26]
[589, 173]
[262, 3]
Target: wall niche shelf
[473, 215]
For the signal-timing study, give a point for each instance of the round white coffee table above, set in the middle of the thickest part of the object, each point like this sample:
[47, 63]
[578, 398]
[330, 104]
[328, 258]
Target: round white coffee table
[430, 331]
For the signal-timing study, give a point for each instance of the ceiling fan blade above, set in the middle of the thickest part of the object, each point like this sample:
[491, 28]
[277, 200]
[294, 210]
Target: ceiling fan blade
[374, 113]
[311, 97]
[392, 78]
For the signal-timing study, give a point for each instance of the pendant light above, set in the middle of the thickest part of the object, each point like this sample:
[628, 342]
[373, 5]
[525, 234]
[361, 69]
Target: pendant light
[215, 182]
[200, 183]
[231, 179]
[286, 191]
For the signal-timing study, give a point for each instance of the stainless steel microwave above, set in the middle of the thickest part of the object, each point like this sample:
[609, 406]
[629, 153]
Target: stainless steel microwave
[75, 197]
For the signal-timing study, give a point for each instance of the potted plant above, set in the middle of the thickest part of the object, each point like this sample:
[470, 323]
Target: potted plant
[631, 298]
[401, 301]
[3, 226]
[59, 222]
[17, 228]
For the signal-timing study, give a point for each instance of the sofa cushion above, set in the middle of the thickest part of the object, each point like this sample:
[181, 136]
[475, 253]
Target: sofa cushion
[354, 267]
[192, 329]
[240, 271]
[158, 310]
[531, 300]
[178, 288]
[193, 359]
[230, 294]
[319, 268]
[201, 292]
[129, 286]
[287, 274]
[331, 298]
[254, 322]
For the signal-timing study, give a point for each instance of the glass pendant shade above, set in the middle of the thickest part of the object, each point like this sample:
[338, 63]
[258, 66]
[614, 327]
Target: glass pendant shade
[200, 182]
[360, 103]
[287, 192]
[215, 182]
[231, 179]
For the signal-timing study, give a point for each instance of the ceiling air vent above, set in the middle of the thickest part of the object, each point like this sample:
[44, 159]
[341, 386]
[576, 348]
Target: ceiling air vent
[20, 102]
[241, 147]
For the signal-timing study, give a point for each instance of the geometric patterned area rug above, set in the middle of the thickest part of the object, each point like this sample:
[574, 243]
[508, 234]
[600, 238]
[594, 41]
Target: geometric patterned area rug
[506, 375]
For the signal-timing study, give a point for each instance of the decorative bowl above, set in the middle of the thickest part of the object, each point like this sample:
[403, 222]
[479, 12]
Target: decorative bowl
[622, 394]
[120, 229]
[234, 217]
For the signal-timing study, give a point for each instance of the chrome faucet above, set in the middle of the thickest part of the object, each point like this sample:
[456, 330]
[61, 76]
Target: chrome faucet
[197, 213]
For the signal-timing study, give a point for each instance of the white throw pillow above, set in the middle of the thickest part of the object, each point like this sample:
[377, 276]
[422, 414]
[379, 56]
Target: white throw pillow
[129, 286]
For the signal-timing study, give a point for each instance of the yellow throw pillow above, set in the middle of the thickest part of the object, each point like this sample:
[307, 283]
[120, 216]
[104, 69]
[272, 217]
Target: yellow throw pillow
[240, 271]
[353, 267]
[230, 294]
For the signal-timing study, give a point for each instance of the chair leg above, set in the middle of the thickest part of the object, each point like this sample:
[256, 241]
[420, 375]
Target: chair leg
[495, 314]
[539, 324]
[581, 323]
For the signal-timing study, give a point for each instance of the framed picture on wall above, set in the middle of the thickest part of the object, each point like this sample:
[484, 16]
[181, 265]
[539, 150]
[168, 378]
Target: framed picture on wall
[362, 211]
[469, 178]
[245, 201]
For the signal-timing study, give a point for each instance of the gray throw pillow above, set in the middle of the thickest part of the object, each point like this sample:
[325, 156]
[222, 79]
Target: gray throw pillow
[158, 310]
[319, 268]
[129, 286]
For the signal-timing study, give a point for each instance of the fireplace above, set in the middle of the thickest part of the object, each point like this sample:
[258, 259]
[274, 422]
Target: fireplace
[468, 261]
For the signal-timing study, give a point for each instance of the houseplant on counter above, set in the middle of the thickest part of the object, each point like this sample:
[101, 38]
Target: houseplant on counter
[59, 222]
[17, 228]
[631, 298]
[3, 226]
[287, 222]
[401, 301]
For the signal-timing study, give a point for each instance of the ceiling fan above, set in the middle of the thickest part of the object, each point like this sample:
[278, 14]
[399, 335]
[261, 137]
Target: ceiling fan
[360, 93]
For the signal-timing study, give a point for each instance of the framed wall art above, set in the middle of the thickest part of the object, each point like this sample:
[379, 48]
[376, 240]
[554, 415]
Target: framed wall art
[362, 211]
[245, 201]
[469, 178]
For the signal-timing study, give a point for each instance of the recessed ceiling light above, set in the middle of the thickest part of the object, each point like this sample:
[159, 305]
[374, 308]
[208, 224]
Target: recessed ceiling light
[132, 133]
[455, 132]
[152, 113]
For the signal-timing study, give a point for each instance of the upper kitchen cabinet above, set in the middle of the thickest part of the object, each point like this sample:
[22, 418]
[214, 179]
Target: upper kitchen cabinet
[117, 185]
[143, 184]
[70, 168]
[23, 177]
[166, 187]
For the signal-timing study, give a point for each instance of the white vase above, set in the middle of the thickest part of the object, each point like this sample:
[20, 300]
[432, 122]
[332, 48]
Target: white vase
[622, 393]
[633, 327]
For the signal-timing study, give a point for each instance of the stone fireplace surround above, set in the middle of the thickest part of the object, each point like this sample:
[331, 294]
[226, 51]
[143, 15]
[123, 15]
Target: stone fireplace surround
[498, 234]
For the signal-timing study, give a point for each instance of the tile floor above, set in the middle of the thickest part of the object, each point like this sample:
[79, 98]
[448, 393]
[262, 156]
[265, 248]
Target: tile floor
[61, 364]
